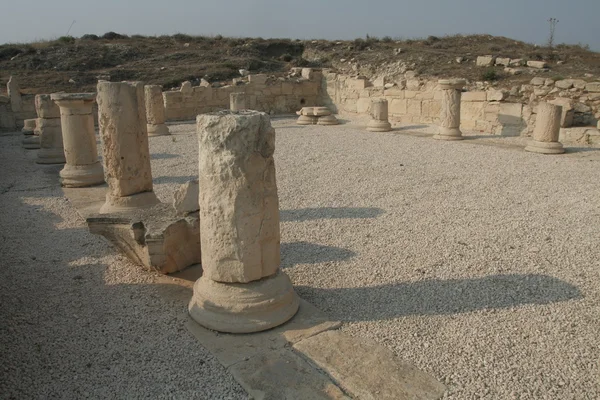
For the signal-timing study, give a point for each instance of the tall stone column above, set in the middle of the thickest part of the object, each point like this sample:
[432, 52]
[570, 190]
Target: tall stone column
[379, 116]
[122, 123]
[79, 139]
[241, 289]
[155, 111]
[237, 101]
[48, 123]
[547, 130]
[450, 115]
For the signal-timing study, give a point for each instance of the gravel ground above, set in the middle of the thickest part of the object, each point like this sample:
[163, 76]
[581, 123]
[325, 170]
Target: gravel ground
[475, 260]
[77, 320]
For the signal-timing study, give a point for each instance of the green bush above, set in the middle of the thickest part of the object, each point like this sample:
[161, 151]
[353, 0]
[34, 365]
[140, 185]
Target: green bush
[490, 75]
[66, 39]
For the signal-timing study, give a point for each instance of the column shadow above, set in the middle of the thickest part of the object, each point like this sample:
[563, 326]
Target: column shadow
[308, 214]
[310, 253]
[443, 297]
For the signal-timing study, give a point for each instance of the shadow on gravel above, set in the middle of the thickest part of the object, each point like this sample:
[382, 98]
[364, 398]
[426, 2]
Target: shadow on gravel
[163, 156]
[441, 297]
[309, 214]
[410, 127]
[174, 179]
[580, 149]
[310, 253]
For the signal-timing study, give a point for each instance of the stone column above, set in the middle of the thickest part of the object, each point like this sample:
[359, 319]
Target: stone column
[14, 93]
[122, 123]
[237, 101]
[155, 111]
[79, 140]
[241, 289]
[32, 138]
[48, 124]
[546, 131]
[450, 114]
[379, 116]
[29, 126]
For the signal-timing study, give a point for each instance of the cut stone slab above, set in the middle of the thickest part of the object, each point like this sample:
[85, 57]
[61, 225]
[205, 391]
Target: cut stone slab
[366, 370]
[185, 199]
[282, 374]
[233, 348]
[154, 238]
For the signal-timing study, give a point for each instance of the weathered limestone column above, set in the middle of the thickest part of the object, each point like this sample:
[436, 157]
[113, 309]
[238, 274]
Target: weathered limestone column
[82, 168]
[379, 116]
[48, 124]
[32, 138]
[237, 101]
[122, 123]
[546, 131]
[155, 111]
[14, 93]
[241, 289]
[29, 126]
[450, 114]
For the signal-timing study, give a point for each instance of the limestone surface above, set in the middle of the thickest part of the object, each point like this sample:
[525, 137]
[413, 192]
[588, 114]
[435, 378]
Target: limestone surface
[547, 129]
[241, 289]
[237, 101]
[379, 116]
[185, 199]
[122, 123]
[155, 111]
[450, 109]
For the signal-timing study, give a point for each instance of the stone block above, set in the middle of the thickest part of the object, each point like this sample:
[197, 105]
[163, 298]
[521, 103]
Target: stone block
[185, 198]
[307, 73]
[593, 87]
[474, 96]
[368, 370]
[413, 84]
[485, 61]
[410, 94]
[537, 81]
[413, 107]
[537, 64]
[258, 79]
[394, 92]
[503, 61]
[471, 111]
[496, 95]
[431, 108]
[356, 84]
[398, 106]
[429, 95]
[363, 105]
[564, 84]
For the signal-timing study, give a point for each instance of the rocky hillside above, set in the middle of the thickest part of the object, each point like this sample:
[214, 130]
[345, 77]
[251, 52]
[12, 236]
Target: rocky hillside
[75, 64]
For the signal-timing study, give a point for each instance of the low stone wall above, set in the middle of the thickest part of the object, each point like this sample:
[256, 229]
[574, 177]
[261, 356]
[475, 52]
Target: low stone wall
[419, 102]
[496, 111]
[263, 93]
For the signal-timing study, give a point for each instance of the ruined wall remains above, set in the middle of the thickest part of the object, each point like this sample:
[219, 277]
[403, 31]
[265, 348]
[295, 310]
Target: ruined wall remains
[263, 93]
[495, 111]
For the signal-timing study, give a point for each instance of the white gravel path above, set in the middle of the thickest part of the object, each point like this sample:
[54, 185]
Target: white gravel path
[77, 320]
[475, 260]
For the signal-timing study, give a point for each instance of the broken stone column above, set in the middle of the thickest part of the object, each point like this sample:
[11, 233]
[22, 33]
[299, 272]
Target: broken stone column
[237, 101]
[48, 124]
[122, 123]
[32, 138]
[242, 288]
[450, 114]
[14, 93]
[546, 131]
[29, 126]
[79, 139]
[155, 111]
[379, 116]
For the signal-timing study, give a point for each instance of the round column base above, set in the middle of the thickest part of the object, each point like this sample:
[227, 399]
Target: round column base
[327, 120]
[375, 125]
[306, 120]
[31, 142]
[545, 147]
[243, 307]
[82, 175]
[158, 130]
[448, 134]
[128, 203]
[27, 132]
[51, 156]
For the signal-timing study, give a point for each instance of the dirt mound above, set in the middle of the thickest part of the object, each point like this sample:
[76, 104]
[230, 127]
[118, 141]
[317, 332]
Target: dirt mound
[75, 64]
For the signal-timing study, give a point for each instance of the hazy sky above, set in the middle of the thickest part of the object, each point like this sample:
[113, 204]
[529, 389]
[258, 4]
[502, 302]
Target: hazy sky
[27, 20]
